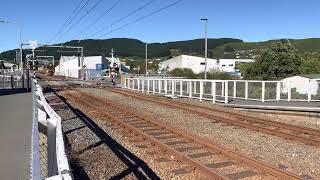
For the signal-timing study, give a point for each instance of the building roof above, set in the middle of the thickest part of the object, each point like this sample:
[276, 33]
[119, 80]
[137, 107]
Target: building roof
[310, 76]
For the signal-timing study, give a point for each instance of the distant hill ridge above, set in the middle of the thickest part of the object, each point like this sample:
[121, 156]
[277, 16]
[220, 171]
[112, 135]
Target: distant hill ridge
[133, 48]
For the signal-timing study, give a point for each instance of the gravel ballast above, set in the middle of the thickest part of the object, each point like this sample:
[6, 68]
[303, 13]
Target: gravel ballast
[97, 150]
[93, 153]
[290, 156]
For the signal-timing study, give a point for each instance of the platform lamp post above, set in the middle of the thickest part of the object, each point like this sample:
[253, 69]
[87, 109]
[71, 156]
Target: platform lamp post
[205, 47]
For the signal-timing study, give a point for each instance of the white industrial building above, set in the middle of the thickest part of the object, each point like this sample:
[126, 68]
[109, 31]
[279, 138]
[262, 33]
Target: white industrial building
[70, 66]
[229, 65]
[197, 64]
[302, 83]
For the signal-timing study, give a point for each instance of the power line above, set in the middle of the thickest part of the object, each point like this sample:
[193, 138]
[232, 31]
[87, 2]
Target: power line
[101, 16]
[141, 18]
[123, 18]
[70, 18]
[83, 16]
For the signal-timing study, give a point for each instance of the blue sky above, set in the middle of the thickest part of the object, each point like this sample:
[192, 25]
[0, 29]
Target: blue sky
[249, 20]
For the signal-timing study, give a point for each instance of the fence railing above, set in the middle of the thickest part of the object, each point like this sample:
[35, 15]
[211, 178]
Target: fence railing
[57, 164]
[226, 90]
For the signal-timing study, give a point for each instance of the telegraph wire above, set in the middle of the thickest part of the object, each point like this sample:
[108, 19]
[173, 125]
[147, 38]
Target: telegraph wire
[80, 19]
[141, 18]
[99, 18]
[70, 18]
[123, 18]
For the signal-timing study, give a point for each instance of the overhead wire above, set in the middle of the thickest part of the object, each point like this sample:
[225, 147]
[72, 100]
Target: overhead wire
[81, 18]
[71, 17]
[99, 18]
[122, 18]
[141, 18]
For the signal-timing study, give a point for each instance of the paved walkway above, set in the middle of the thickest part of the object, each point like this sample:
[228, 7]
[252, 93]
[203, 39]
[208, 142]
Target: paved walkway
[15, 135]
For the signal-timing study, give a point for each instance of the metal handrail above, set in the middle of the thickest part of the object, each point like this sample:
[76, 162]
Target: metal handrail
[60, 169]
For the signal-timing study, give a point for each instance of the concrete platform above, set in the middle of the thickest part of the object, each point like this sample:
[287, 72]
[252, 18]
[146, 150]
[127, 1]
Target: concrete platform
[15, 134]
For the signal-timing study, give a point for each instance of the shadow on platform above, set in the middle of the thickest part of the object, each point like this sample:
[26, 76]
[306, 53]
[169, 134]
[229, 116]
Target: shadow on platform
[134, 164]
[5, 92]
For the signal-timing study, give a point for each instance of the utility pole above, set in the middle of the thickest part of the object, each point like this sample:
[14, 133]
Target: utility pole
[206, 47]
[146, 59]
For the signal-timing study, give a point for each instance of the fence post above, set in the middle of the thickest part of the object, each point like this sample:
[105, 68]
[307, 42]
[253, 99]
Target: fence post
[142, 85]
[201, 90]
[234, 89]
[11, 78]
[226, 92]
[148, 85]
[138, 81]
[222, 89]
[128, 85]
[278, 91]
[133, 83]
[246, 90]
[309, 91]
[173, 86]
[165, 86]
[190, 89]
[181, 88]
[213, 89]
[289, 91]
[153, 86]
[4, 81]
[194, 87]
[263, 84]
[160, 86]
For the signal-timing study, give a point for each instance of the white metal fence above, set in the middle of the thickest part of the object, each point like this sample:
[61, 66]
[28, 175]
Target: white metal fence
[225, 90]
[10, 81]
[58, 166]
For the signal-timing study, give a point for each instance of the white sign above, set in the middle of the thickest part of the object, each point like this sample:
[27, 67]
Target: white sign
[33, 44]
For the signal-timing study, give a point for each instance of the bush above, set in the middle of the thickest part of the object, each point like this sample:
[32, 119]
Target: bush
[188, 73]
[183, 72]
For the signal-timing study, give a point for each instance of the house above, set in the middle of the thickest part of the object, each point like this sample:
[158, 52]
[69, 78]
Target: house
[302, 83]
[197, 64]
[70, 66]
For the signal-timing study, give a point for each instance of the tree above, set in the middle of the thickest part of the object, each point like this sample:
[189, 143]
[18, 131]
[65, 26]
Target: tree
[279, 61]
[228, 49]
[310, 63]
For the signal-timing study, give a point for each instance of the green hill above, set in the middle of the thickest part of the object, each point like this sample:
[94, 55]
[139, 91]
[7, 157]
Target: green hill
[249, 49]
[133, 48]
[125, 47]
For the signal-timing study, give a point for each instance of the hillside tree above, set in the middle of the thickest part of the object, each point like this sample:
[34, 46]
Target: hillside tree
[279, 61]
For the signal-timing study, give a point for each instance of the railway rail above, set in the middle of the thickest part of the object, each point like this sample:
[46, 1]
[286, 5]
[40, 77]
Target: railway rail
[287, 131]
[199, 154]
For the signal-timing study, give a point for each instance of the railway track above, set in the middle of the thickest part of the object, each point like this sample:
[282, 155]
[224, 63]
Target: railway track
[198, 154]
[287, 131]
[295, 133]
